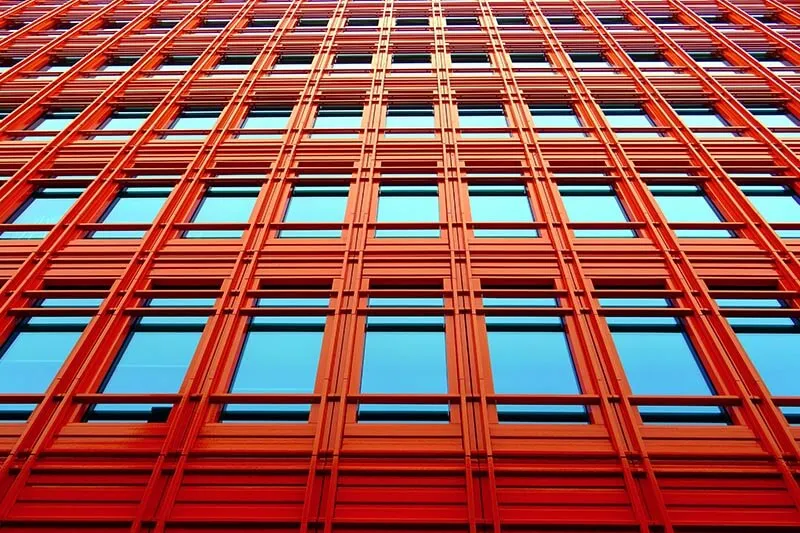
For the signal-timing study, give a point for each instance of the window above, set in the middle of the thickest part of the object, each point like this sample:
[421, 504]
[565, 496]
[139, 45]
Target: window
[556, 117]
[293, 65]
[163, 24]
[175, 65]
[592, 64]
[122, 121]
[411, 23]
[777, 118]
[408, 204]
[562, 20]
[613, 20]
[470, 63]
[152, 360]
[530, 355]
[713, 63]
[316, 205]
[482, 117]
[231, 205]
[526, 61]
[462, 22]
[771, 342]
[35, 351]
[415, 64]
[44, 206]
[262, 23]
[193, 120]
[59, 65]
[362, 23]
[133, 205]
[630, 121]
[214, 23]
[501, 203]
[407, 117]
[265, 118]
[404, 354]
[53, 120]
[659, 359]
[118, 64]
[352, 63]
[512, 21]
[280, 355]
[312, 24]
[774, 62]
[688, 203]
[654, 64]
[778, 204]
[235, 63]
[594, 203]
[337, 118]
[701, 119]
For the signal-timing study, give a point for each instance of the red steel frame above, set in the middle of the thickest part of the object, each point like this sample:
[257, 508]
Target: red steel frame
[333, 474]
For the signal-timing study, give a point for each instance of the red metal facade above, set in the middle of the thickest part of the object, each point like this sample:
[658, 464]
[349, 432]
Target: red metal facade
[333, 474]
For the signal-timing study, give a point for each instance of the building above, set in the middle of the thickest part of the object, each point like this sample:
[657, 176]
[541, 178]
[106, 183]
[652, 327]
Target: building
[415, 265]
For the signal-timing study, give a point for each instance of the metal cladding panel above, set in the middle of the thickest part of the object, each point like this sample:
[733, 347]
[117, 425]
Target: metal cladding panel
[189, 471]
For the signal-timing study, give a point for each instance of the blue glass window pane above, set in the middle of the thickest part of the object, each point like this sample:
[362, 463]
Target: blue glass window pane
[45, 206]
[266, 119]
[123, 120]
[663, 363]
[504, 203]
[688, 203]
[777, 204]
[399, 203]
[55, 120]
[345, 118]
[760, 303]
[630, 117]
[404, 362]
[556, 117]
[405, 302]
[634, 302]
[533, 362]
[132, 206]
[28, 363]
[702, 117]
[519, 302]
[224, 204]
[150, 362]
[473, 117]
[316, 204]
[776, 357]
[594, 203]
[292, 302]
[402, 117]
[194, 119]
[277, 362]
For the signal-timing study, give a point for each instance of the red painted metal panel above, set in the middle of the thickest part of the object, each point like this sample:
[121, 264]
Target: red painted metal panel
[334, 474]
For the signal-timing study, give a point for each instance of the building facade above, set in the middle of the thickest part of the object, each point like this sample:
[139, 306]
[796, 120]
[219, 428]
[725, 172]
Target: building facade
[415, 265]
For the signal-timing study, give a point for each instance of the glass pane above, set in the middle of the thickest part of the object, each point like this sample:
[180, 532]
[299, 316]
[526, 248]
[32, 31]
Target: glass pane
[316, 204]
[776, 357]
[133, 209]
[404, 362]
[408, 204]
[150, 362]
[533, 362]
[277, 362]
[662, 363]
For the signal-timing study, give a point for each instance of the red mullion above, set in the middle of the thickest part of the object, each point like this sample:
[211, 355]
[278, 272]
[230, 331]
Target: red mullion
[60, 410]
[764, 30]
[578, 283]
[245, 271]
[624, 165]
[781, 434]
[451, 164]
[698, 286]
[37, 24]
[784, 9]
[791, 94]
[241, 271]
[19, 187]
